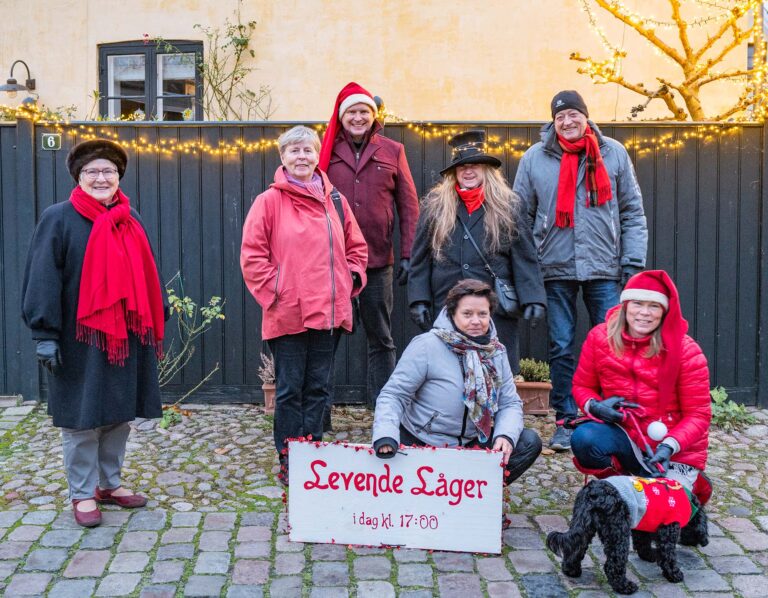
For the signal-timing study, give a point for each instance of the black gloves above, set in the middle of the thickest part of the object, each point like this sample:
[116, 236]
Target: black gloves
[535, 313]
[662, 456]
[49, 356]
[382, 442]
[356, 280]
[608, 409]
[420, 315]
[403, 271]
[628, 272]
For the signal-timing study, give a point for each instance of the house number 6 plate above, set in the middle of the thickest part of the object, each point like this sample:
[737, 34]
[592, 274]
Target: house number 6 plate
[51, 141]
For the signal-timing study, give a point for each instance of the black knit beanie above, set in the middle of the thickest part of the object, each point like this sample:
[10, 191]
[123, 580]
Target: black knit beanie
[568, 99]
[96, 149]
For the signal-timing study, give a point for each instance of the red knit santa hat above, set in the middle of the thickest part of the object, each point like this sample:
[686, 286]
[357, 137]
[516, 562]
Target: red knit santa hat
[656, 285]
[351, 94]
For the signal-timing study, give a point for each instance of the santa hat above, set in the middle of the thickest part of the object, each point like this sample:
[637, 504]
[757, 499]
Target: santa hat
[656, 285]
[351, 94]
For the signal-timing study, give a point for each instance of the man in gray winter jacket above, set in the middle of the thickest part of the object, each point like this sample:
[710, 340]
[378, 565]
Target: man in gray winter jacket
[589, 228]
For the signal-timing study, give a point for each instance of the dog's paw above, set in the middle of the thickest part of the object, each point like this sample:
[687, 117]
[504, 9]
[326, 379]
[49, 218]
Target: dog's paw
[673, 575]
[624, 586]
[572, 569]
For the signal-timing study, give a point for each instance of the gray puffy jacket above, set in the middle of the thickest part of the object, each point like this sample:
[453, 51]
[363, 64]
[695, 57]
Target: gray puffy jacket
[603, 238]
[425, 393]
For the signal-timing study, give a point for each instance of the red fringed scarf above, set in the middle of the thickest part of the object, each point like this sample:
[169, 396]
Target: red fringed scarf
[598, 183]
[119, 286]
[472, 198]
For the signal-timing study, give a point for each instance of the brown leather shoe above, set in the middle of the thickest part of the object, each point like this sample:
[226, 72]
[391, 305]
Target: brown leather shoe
[132, 501]
[86, 518]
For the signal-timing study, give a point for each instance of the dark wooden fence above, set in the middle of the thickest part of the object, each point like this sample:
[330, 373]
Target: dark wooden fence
[705, 201]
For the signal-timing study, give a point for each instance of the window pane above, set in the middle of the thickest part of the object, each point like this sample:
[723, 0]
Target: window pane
[126, 75]
[176, 73]
[125, 107]
[176, 107]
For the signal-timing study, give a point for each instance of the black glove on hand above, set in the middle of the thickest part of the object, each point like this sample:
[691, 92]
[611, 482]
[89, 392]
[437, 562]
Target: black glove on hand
[356, 280]
[381, 443]
[607, 410]
[662, 455]
[403, 271]
[628, 272]
[420, 315]
[534, 313]
[49, 356]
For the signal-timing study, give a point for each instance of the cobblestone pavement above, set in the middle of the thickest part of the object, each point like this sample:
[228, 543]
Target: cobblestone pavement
[216, 525]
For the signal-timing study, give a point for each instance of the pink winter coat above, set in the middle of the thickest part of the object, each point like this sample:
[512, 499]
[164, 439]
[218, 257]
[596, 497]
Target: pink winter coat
[601, 374]
[297, 261]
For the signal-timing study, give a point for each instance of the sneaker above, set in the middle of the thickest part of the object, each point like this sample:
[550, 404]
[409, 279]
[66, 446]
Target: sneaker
[561, 439]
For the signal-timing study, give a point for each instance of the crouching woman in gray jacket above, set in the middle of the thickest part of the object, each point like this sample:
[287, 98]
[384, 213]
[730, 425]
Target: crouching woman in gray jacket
[453, 387]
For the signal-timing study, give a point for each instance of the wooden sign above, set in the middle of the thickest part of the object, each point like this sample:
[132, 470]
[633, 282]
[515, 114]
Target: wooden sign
[443, 499]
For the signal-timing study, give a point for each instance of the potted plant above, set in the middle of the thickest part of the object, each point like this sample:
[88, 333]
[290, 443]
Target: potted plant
[266, 373]
[533, 386]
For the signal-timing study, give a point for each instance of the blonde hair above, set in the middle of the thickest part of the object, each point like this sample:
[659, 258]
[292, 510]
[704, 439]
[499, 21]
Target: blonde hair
[441, 203]
[617, 324]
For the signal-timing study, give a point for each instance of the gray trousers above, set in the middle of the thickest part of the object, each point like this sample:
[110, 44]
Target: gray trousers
[93, 457]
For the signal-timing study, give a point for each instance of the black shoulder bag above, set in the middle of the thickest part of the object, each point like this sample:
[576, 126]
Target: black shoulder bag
[509, 304]
[336, 198]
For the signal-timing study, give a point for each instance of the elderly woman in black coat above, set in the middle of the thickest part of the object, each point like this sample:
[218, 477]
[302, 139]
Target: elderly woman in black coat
[473, 202]
[93, 300]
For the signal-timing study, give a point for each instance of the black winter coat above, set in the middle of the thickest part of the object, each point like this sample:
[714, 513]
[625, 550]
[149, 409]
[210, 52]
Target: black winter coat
[89, 392]
[430, 281]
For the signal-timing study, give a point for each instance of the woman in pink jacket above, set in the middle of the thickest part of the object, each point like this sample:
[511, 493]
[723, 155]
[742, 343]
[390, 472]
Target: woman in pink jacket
[641, 365]
[303, 264]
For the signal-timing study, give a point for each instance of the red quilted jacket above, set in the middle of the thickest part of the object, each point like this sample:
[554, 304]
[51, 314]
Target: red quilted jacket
[602, 374]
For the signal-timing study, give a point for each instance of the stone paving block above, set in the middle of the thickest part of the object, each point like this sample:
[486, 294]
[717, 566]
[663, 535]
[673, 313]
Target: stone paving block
[505, 589]
[73, 588]
[330, 574]
[646, 570]
[737, 524]
[167, 571]
[543, 586]
[137, 542]
[721, 547]
[18, 410]
[27, 584]
[530, 561]
[250, 572]
[251, 550]
[219, 521]
[750, 586]
[260, 519]
[114, 518]
[523, 539]
[87, 563]
[13, 550]
[245, 592]
[284, 544]
[61, 537]
[129, 562]
[734, 564]
[204, 585]
[416, 594]
[66, 520]
[375, 589]
[752, 541]
[368, 550]
[329, 592]
[516, 520]
[453, 561]
[164, 591]
[99, 537]
[587, 580]
[45, 559]
[214, 541]
[175, 551]
[147, 521]
[667, 590]
[459, 584]
[212, 562]
[331, 552]
[7, 567]
[714, 529]
[38, 518]
[412, 574]
[285, 587]
[762, 520]
[26, 533]
[8, 518]
[289, 563]
[688, 559]
[186, 519]
[410, 555]
[706, 581]
[178, 535]
[372, 567]
[254, 533]
[493, 569]
[551, 523]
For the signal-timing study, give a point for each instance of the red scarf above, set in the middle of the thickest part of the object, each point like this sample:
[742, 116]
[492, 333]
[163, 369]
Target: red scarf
[472, 198]
[598, 183]
[119, 286]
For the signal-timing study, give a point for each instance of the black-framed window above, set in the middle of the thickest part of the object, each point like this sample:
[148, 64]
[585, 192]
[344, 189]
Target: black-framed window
[160, 80]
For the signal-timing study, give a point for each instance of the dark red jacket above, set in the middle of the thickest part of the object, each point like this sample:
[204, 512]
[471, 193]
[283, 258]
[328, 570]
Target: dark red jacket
[374, 185]
[602, 374]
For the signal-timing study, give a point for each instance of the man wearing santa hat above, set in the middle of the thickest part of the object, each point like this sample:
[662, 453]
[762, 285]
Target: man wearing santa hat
[371, 171]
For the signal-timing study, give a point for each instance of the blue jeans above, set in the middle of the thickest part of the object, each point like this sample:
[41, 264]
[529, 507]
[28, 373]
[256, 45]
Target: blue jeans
[376, 301]
[599, 297]
[593, 444]
[303, 379]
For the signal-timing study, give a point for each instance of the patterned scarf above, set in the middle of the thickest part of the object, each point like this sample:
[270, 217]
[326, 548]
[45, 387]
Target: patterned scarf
[481, 380]
[597, 181]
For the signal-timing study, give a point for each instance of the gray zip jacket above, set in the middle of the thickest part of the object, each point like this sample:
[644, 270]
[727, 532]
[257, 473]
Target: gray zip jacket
[426, 390]
[603, 238]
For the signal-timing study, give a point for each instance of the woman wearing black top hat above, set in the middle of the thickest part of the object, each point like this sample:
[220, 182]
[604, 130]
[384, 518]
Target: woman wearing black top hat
[473, 200]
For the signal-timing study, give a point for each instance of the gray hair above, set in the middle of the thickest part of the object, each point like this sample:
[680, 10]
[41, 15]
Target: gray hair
[298, 134]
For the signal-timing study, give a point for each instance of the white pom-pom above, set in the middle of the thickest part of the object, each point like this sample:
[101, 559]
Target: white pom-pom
[657, 430]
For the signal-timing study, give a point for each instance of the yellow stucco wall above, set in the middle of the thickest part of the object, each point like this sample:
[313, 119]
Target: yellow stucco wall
[429, 59]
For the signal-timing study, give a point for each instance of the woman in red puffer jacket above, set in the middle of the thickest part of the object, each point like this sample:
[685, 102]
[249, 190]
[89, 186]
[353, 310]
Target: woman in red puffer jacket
[642, 365]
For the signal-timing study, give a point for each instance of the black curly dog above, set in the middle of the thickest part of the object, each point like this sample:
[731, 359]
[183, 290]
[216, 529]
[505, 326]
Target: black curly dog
[599, 509]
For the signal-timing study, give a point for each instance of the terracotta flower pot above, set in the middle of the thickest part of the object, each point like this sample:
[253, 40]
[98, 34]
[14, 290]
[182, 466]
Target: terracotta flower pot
[535, 396]
[269, 398]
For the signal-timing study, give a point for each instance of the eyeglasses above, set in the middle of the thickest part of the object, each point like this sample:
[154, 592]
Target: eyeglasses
[93, 173]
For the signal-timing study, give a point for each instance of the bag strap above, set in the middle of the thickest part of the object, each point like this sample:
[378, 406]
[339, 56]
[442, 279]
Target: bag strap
[474, 244]
[336, 198]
